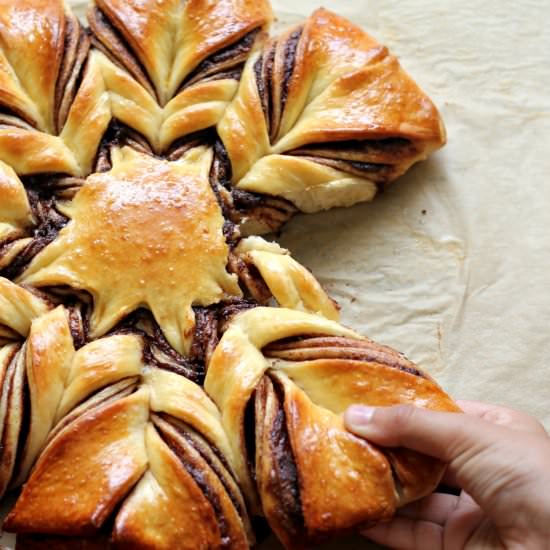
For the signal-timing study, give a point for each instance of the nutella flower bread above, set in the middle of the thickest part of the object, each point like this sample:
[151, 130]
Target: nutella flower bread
[167, 376]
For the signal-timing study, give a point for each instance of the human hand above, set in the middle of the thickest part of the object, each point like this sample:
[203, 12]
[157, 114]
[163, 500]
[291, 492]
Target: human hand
[499, 457]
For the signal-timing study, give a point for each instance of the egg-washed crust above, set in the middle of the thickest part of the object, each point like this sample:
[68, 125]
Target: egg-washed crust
[121, 393]
[290, 376]
[161, 367]
[330, 95]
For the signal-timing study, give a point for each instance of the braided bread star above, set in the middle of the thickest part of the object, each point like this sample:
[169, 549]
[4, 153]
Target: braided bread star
[167, 374]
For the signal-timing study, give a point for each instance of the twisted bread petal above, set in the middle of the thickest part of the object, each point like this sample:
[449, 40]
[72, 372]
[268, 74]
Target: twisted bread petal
[149, 441]
[291, 284]
[328, 94]
[282, 380]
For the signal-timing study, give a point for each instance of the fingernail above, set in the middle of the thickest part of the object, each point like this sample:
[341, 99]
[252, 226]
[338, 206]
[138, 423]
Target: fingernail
[358, 415]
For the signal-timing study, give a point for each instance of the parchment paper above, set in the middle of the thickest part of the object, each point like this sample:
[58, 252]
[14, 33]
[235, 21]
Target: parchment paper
[452, 264]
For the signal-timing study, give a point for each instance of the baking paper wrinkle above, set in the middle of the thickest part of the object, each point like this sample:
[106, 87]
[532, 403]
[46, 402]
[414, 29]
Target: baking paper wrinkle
[464, 288]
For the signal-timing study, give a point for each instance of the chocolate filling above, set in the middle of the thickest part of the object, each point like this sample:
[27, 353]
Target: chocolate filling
[79, 327]
[7, 336]
[220, 181]
[224, 171]
[25, 403]
[260, 85]
[157, 351]
[67, 187]
[250, 279]
[230, 308]
[6, 374]
[223, 60]
[375, 151]
[250, 435]
[7, 242]
[273, 73]
[205, 339]
[75, 80]
[103, 397]
[75, 54]
[283, 482]
[234, 73]
[44, 189]
[267, 75]
[271, 213]
[70, 48]
[263, 73]
[379, 173]
[111, 41]
[238, 206]
[13, 401]
[333, 347]
[244, 200]
[196, 471]
[202, 137]
[15, 118]
[231, 233]
[291, 47]
[103, 160]
[118, 135]
[212, 456]
[50, 223]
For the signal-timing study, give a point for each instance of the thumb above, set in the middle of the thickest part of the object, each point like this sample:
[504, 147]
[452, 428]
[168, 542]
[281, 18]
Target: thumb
[485, 458]
[443, 435]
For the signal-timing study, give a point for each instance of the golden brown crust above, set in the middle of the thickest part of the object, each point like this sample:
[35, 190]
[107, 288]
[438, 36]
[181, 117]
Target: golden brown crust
[164, 492]
[289, 283]
[11, 410]
[19, 306]
[103, 451]
[303, 372]
[15, 210]
[150, 443]
[30, 93]
[182, 263]
[31, 152]
[171, 39]
[274, 466]
[321, 91]
[49, 351]
[378, 101]
[333, 464]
